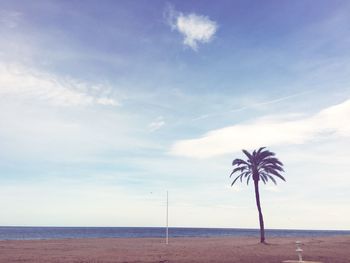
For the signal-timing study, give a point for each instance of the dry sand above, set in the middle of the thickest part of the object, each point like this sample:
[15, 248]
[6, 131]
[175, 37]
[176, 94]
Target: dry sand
[230, 249]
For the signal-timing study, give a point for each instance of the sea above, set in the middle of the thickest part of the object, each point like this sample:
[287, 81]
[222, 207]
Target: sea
[37, 233]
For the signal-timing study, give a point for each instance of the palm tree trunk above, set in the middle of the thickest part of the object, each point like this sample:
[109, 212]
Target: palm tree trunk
[261, 219]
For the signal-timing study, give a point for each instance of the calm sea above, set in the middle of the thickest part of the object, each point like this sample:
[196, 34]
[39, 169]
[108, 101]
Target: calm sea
[29, 233]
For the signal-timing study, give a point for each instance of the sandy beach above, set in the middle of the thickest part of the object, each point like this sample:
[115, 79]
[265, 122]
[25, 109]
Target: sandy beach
[229, 249]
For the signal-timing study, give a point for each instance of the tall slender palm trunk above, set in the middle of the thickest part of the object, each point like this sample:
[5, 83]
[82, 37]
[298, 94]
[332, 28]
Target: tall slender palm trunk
[261, 219]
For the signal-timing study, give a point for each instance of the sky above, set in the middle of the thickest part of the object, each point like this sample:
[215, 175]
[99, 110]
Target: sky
[104, 106]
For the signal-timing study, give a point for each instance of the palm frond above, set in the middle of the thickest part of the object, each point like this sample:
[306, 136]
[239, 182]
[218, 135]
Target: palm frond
[272, 179]
[250, 157]
[261, 149]
[236, 179]
[274, 172]
[263, 155]
[241, 169]
[239, 162]
[273, 160]
[245, 174]
[271, 166]
[248, 178]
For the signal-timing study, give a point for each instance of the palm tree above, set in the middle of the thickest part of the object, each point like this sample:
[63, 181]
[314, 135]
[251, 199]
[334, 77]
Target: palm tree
[261, 165]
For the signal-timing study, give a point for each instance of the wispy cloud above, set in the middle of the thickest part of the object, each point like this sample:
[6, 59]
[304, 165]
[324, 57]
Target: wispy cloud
[10, 18]
[22, 83]
[156, 124]
[267, 131]
[196, 29]
[107, 101]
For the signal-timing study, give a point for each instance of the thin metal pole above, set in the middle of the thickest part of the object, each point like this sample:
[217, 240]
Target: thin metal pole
[167, 217]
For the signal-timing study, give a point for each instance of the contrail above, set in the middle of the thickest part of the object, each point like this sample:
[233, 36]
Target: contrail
[205, 116]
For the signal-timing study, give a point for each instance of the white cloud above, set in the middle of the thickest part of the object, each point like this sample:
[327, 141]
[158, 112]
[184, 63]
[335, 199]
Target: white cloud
[21, 83]
[156, 124]
[195, 28]
[268, 131]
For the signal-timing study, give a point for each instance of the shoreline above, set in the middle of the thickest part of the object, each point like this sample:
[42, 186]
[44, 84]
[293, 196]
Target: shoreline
[333, 249]
[182, 237]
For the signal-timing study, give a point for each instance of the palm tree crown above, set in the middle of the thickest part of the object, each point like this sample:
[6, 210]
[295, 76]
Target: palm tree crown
[261, 165]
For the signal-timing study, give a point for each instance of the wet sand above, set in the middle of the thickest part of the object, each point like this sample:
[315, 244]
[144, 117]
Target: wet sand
[228, 249]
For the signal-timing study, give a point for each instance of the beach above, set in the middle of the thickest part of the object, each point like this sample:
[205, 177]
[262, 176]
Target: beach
[223, 249]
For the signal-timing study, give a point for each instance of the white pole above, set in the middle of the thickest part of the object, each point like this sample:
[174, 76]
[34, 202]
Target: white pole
[167, 216]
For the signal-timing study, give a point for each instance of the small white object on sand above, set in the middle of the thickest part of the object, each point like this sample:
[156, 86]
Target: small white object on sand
[299, 251]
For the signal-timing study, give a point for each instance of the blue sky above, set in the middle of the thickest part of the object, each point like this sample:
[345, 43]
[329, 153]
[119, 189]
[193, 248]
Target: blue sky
[105, 106]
